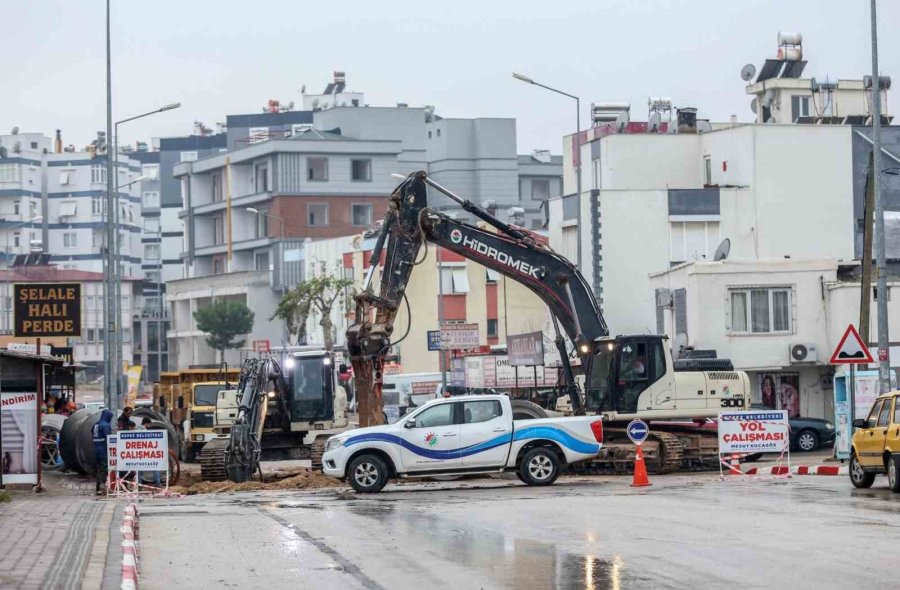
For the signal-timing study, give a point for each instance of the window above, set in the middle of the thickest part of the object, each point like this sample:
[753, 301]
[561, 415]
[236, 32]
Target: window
[151, 225]
[68, 208]
[64, 177]
[17, 207]
[492, 276]
[262, 223]
[70, 240]
[151, 199]
[188, 156]
[218, 266]
[218, 229]
[152, 276]
[151, 251]
[896, 408]
[17, 239]
[475, 412]
[91, 335]
[126, 302]
[441, 415]
[707, 170]
[540, 189]
[89, 301]
[454, 280]
[884, 416]
[34, 145]
[693, 240]
[799, 107]
[261, 178]
[761, 310]
[151, 171]
[492, 328]
[317, 169]
[98, 205]
[261, 260]
[126, 335]
[361, 170]
[33, 208]
[98, 174]
[361, 214]
[10, 173]
[217, 191]
[317, 214]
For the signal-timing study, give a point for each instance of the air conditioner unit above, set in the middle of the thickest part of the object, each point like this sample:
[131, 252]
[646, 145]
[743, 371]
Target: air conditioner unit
[803, 353]
[663, 298]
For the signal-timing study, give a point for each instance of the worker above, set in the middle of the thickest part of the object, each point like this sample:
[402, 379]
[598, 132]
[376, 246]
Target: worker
[148, 425]
[99, 432]
[124, 418]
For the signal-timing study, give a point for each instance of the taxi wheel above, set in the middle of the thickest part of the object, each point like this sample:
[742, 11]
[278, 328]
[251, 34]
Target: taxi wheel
[858, 477]
[893, 472]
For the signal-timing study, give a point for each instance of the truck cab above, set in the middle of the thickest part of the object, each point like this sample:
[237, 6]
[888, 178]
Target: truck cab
[635, 376]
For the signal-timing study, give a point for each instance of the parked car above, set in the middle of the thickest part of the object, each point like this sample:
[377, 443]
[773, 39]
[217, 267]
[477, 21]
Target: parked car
[876, 444]
[807, 434]
[462, 435]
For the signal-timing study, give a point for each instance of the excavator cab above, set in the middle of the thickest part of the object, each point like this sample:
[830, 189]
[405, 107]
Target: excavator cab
[623, 368]
[311, 379]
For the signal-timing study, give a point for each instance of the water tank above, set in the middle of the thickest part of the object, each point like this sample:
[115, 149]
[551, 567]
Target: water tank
[790, 53]
[687, 120]
[789, 39]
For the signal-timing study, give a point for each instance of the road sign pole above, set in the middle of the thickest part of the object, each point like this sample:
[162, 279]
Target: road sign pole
[852, 397]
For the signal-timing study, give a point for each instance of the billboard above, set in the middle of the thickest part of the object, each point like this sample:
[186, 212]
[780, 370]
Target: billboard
[526, 350]
[142, 450]
[47, 309]
[455, 336]
[19, 437]
[753, 432]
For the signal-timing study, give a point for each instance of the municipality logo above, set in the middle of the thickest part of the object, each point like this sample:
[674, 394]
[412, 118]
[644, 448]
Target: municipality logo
[456, 236]
[431, 439]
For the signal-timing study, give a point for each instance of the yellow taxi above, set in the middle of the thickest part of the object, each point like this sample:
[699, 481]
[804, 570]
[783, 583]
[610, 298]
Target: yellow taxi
[876, 443]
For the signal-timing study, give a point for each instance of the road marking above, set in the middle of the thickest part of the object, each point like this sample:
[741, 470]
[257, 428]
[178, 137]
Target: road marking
[347, 565]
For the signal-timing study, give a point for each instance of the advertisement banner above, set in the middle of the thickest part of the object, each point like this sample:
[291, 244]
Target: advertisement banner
[457, 372]
[459, 336]
[47, 309]
[497, 372]
[111, 453]
[142, 450]
[19, 437]
[780, 391]
[526, 350]
[753, 432]
[434, 340]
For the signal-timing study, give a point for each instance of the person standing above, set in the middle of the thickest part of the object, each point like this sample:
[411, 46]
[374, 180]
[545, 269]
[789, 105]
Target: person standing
[101, 429]
[124, 418]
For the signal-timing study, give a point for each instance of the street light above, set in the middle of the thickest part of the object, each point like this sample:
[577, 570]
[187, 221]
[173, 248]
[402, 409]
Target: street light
[256, 211]
[113, 341]
[6, 256]
[594, 229]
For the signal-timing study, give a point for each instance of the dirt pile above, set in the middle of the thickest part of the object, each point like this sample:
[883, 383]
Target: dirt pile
[295, 479]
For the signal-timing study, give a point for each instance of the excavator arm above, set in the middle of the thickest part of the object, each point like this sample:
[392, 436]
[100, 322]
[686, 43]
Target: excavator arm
[511, 251]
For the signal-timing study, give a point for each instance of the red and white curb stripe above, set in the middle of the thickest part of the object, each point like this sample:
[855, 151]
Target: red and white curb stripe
[799, 470]
[130, 532]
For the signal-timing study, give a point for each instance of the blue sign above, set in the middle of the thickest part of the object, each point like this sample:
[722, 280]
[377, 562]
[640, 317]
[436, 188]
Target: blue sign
[638, 431]
[434, 340]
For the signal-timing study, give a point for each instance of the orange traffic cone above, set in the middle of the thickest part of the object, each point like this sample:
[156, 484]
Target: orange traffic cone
[640, 469]
[734, 466]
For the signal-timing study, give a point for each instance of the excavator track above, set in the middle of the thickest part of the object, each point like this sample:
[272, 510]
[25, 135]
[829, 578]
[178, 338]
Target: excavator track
[315, 454]
[663, 453]
[212, 460]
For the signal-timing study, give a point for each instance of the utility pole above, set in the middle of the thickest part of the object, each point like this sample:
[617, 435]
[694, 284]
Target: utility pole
[884, 354]
[865, 289]
[109, 304]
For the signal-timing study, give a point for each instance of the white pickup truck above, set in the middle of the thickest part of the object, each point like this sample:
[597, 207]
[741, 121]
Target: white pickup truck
[462, 435]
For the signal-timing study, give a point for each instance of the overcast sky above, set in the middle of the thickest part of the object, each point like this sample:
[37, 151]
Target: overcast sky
[221, 57]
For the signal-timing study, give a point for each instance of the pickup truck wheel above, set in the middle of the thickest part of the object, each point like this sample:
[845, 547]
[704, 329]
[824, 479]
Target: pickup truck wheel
[367, 474]
[539, 467]
[859, 477]
[893, 472]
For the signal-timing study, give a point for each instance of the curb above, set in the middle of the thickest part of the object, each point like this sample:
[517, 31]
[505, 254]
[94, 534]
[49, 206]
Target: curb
[130, 532]
[799, 470]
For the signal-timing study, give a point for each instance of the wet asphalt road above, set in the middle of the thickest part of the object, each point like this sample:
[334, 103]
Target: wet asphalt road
[686, 531]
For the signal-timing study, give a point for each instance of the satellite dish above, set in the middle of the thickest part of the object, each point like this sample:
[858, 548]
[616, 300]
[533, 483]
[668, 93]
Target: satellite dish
[754, 106]
[315, 103]
[723, 250]
[303, 89]
[747, 72]
[768, 98]
[15, 130]
[291, 105]
[813, 85]
[679, 345]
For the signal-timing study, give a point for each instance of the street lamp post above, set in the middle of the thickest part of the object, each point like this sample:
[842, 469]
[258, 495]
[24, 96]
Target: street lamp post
[114, 284]
[6, 255]
[259, 213]
[595, 263]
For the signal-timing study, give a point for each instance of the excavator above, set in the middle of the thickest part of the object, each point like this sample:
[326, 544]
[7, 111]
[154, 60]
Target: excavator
[619, 377]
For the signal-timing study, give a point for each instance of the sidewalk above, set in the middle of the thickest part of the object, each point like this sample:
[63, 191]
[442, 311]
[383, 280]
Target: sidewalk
[60, 538]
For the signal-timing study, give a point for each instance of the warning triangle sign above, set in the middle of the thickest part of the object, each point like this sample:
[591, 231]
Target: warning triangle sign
[851, 350]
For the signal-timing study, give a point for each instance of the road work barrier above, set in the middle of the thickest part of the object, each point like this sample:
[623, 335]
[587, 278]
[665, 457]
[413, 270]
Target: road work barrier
[751, 432]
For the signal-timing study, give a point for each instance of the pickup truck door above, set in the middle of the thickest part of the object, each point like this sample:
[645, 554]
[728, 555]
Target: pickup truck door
[431, 439]
[486, 434]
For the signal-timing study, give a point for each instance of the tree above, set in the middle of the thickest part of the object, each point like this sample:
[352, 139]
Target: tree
[223, 321]
[314, 298]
